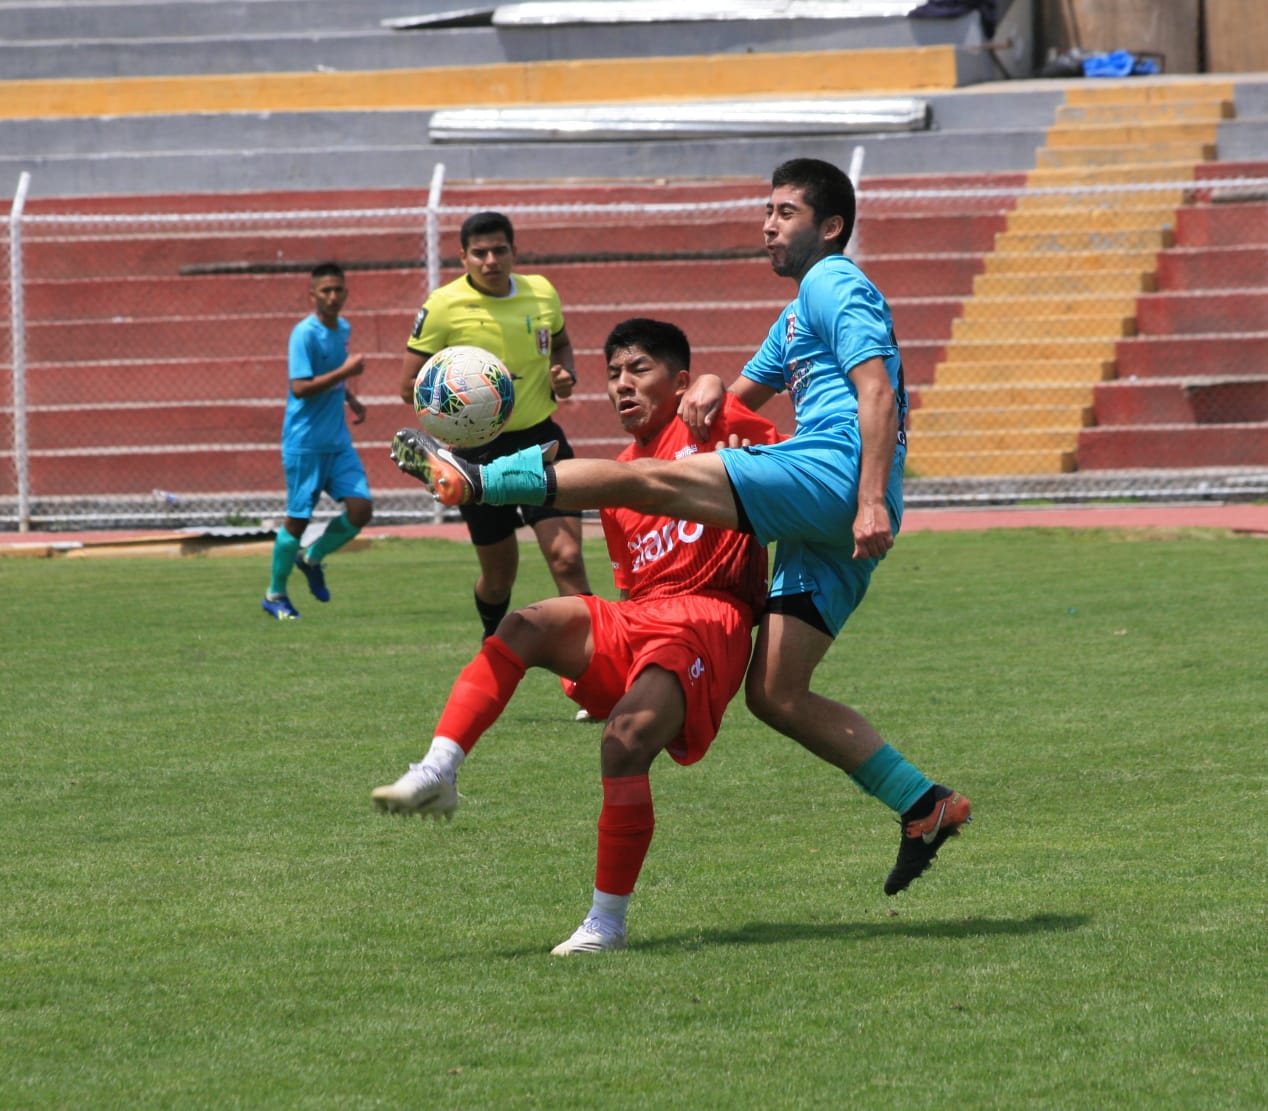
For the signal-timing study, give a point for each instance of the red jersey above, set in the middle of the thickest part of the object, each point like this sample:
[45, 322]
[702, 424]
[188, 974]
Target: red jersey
[660, 557]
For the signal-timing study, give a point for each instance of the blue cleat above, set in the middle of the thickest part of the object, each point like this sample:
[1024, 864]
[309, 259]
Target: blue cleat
[280, 608]
[316, 577]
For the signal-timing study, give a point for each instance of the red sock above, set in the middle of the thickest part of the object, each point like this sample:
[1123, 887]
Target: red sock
[626, 824]
[480, 693]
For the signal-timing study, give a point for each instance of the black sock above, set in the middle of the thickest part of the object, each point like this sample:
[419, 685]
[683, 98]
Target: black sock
[923, 806]
[491, 614]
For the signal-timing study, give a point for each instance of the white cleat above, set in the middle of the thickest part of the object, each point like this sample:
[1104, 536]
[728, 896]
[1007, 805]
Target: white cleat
[592, 936]
[421, 790]
[583, 715]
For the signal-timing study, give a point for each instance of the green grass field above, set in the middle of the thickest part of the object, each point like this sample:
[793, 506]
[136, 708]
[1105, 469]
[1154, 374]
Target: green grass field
[200, 908]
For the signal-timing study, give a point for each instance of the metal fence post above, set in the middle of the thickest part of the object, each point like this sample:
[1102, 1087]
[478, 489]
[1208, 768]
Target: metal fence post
[433, 227]
[17, 316]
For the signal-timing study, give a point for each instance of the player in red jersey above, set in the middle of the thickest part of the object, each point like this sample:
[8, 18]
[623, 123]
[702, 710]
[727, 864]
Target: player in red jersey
[659, 666]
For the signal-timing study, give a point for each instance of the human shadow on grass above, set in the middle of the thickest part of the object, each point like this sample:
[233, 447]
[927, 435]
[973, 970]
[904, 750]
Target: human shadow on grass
[785, 933]
[782, 933]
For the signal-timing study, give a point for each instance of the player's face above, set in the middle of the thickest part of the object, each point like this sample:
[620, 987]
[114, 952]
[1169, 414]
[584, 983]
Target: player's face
[328, 295]
[793, 240]
[644, 392]
[489, 260]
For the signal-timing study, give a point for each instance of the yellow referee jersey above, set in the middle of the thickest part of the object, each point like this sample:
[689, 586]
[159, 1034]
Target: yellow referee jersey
[517, 328]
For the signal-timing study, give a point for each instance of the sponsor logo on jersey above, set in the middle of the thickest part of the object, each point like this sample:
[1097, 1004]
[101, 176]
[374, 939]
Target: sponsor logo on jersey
[696, 670]
[799, 375]
[683, 452]
[790, 329]
[543, 341]
[648, 547]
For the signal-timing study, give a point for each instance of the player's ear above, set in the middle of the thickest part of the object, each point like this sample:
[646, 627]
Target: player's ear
[832, 228]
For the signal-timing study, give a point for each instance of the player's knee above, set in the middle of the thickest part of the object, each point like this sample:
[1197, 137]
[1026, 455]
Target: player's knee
[770, 707]
[359, 515]
[627, 748]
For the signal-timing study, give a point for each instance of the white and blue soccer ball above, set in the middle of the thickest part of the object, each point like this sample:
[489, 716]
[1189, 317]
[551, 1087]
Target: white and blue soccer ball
[464, 396]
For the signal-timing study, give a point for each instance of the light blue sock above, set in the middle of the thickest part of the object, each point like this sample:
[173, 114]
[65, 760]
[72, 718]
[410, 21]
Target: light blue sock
[336, 535]
[516, 479]
[886, 775]
[284, 549]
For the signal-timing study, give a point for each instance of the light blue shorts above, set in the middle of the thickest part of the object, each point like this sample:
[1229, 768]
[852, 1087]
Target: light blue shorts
[309, 474]
[802, 495]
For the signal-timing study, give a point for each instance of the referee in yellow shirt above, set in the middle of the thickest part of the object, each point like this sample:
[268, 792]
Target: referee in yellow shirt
[518, 317]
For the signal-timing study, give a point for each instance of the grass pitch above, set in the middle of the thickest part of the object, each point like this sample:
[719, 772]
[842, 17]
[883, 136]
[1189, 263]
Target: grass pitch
[199, 907]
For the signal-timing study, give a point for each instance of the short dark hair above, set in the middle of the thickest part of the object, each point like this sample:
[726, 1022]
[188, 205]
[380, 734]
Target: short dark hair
[664, 342]
[826, 189]
[326, 270]
[485, 223]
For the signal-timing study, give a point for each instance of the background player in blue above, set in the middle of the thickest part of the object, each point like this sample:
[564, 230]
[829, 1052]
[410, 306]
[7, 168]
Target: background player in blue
[831, 496]
[317, 451]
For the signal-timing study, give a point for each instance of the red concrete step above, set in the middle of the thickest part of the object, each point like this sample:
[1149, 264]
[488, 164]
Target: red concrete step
[1221, 225]
[101, 298]
[185, 378]
[1178, 356]
[201, 470]
[76, 249]
[1216, 172]
[1173, 446]
[1198, 268]
[632, 284]
[961, 233]
[255, 336]
[1181, 401]
[1171, 313]
[464, 195]
[245, 336]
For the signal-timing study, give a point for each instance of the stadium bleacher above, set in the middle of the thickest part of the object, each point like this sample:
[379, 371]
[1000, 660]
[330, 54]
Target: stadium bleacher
[1101, 341]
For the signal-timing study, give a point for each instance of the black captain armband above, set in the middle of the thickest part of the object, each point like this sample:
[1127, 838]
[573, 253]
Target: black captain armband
[551, 483]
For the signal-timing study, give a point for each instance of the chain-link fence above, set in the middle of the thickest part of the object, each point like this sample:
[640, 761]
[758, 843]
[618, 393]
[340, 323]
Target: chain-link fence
[1058, 343]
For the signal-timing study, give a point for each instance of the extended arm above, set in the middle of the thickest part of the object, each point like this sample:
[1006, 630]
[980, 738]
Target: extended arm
[878, 432]
[563, 367]
[309, 387]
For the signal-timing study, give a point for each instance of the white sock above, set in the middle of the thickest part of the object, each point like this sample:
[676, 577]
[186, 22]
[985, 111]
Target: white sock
[445, 756]
[610, 909]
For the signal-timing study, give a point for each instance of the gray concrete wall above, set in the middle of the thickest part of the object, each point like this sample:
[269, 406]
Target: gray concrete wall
[99, 49]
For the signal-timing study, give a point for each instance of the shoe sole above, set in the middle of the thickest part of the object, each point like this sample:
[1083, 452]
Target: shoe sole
[433, 806]
[318, 591]
[946, 822]
[565, 949]
[446, 482]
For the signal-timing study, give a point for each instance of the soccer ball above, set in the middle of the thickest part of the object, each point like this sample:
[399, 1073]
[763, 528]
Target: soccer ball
[463, 396]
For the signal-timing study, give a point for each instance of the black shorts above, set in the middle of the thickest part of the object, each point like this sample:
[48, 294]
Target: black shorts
[491, 524]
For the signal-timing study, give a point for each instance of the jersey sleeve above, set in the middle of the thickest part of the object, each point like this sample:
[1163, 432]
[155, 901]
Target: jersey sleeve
[299, 358]
[849, 315]
[556, 307]
[766, 367]
[431, 329]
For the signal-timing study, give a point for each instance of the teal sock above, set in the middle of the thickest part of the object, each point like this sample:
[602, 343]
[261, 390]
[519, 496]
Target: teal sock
[516, 479]
[886, 775]
[337, 534]
[285, 548]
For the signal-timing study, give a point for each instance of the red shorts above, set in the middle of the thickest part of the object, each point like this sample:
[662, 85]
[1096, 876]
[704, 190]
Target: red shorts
[705, 641]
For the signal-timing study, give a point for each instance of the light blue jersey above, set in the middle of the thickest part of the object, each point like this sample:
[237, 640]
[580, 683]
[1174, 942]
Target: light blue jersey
[838, 320]
[803, 493]
[316, 424]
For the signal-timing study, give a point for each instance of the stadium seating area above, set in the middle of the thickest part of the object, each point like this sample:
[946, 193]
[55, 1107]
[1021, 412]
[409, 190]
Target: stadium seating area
[1044, 334]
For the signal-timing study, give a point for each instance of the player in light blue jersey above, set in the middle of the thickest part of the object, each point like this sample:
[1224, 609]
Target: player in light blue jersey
[830, 497]
[317, 451]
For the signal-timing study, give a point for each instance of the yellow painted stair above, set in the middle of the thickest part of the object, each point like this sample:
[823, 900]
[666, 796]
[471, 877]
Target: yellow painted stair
[580, 81]
[1058, 290]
